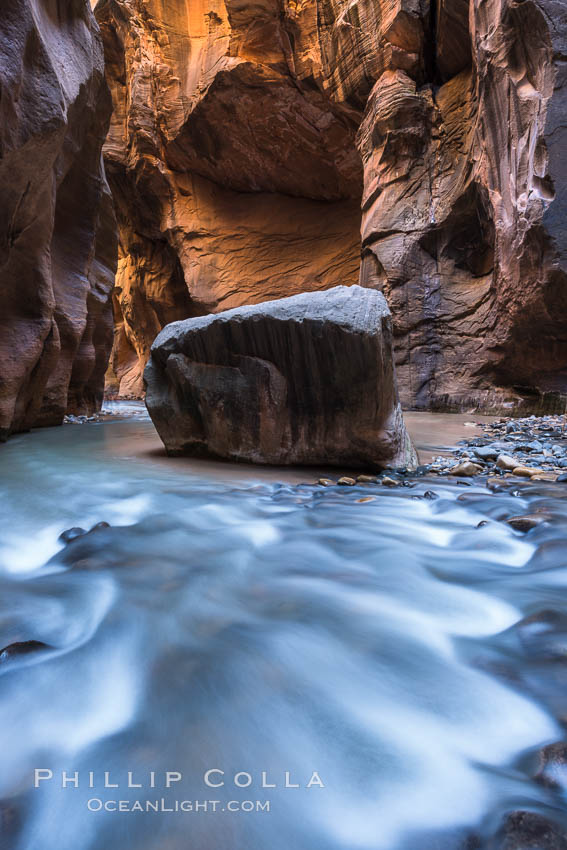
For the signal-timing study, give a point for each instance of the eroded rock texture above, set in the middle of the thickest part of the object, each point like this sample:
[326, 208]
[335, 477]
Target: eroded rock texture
[301, 380]
[460, 227]
[236, 177]
[246, 137]
[57, 227]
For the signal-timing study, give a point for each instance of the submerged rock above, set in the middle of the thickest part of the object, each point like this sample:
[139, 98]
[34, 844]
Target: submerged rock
[71, 534]
[553, 765]
[308, 379]
[24, 647]
[527, 521]
[525, 830]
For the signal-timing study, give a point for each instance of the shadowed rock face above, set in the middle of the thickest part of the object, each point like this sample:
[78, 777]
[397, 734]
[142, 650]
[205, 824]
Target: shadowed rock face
[57, 227]
[251, 143]
[460, 227]
[302, 380]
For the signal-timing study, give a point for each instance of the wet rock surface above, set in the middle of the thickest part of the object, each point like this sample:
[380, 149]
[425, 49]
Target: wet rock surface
[303, 380]
[525, 830]
[21, 648]
[532, 447]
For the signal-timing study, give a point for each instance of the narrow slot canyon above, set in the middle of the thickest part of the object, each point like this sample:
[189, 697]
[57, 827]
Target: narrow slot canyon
[283, 424]
[257, 152]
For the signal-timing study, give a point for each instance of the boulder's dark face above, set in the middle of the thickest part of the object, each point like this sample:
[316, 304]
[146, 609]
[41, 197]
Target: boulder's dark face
[303, 380]
[57, 226]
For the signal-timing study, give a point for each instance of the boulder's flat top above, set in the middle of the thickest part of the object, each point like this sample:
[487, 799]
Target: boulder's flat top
[354, 308]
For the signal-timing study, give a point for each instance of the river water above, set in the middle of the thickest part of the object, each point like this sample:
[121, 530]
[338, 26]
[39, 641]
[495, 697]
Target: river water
[375, 643]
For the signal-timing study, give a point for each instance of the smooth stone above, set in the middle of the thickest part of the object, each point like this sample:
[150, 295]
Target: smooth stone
[532, 446]
[525, 471]
[99, 526]
[19, 648]
[506, 462]
[526, 522]
[486, 452]
[467, 469]
[71, 534]
[389, 482]
[430, 494]
[553, 766]
[325, 482]
[525, 830]
[345, 481]
[366, 479]
[366, 499]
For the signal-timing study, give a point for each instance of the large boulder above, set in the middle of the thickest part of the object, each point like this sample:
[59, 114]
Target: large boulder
[304, 380]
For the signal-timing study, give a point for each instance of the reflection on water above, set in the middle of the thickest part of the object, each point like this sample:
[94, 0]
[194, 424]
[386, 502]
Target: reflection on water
[392, 646]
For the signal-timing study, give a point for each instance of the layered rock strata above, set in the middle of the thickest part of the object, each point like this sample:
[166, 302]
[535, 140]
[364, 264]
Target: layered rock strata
[235, 180]
[463, 223]
[303, 380]
[57, 226]
[246, 138]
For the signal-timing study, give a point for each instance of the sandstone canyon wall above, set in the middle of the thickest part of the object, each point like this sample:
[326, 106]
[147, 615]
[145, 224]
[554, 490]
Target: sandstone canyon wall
[262, 149]
[57, 226]
[235, 179]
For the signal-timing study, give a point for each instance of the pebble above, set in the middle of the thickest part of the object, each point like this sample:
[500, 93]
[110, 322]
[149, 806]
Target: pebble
[486, 452]
[366, 499]
[325, 482]
[506, 462]
[532, 446]
[467, 469]
[366, 479]
[345, 481]
[389, 482]
[526, 471]
[430, 494]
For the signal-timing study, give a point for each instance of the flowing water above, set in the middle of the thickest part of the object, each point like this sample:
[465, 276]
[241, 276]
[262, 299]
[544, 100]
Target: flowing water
[404, 662]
